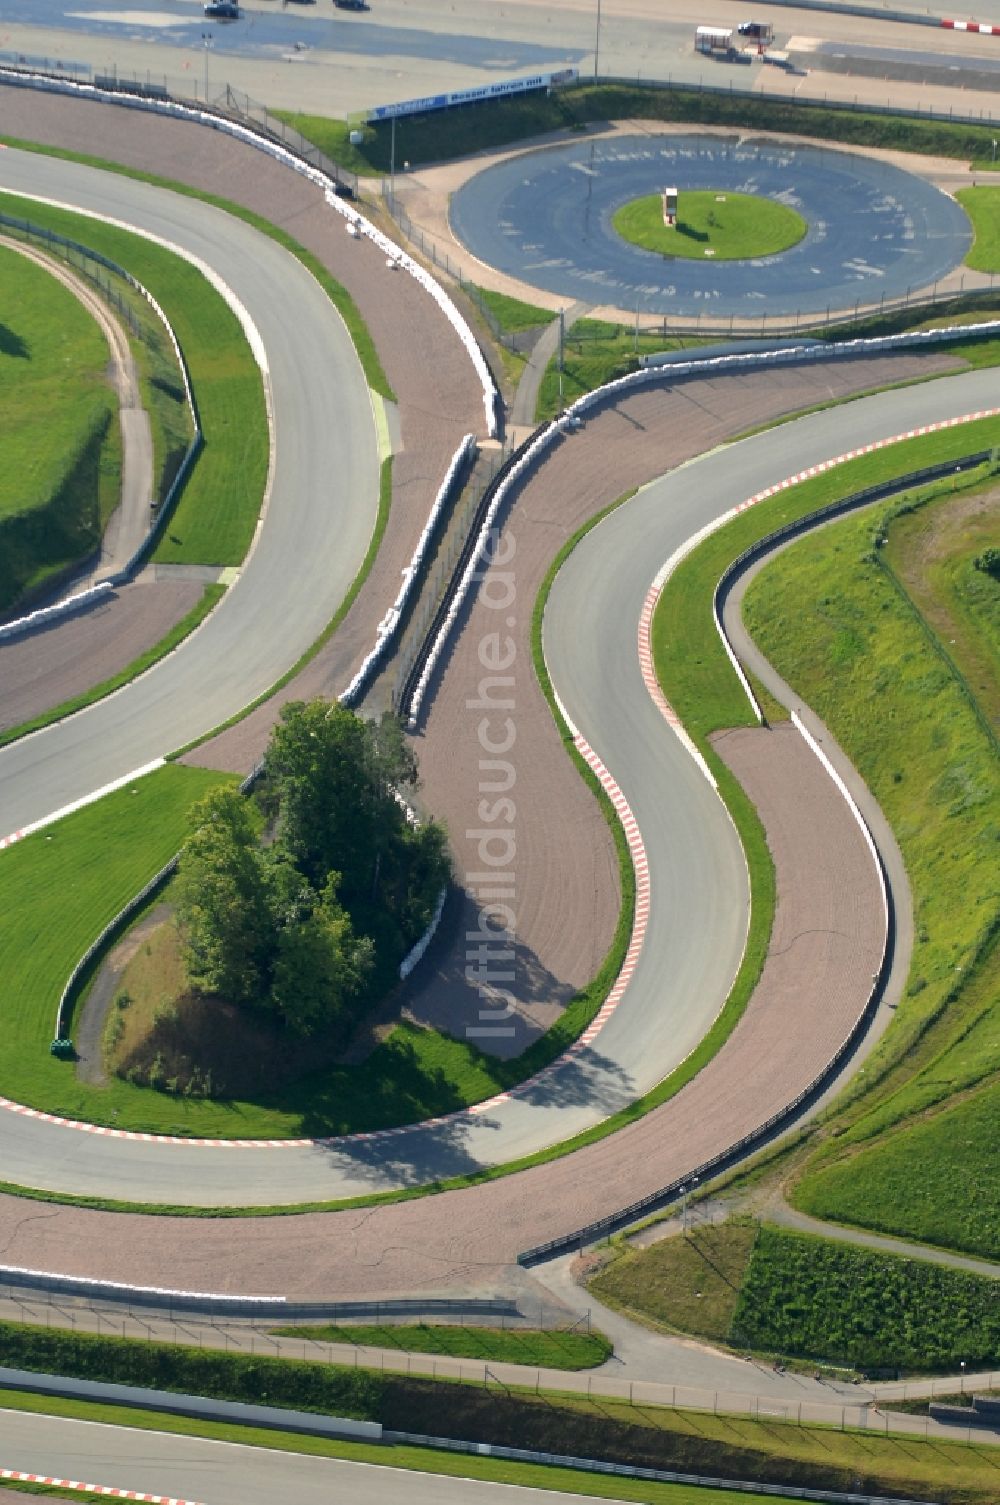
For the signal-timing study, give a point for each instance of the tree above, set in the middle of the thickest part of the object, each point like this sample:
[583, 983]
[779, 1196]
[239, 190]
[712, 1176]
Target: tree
[320, 966]
[335, 777]
[223, 900]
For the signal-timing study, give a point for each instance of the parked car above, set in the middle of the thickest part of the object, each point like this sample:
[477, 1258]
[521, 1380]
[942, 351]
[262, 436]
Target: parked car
[222, 10]
[351, 4]
[754, 29]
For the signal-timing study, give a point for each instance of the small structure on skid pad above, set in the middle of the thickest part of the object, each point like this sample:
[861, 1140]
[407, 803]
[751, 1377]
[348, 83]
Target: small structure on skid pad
[669, 207]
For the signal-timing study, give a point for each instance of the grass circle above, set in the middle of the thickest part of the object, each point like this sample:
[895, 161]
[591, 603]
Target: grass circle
[712, 226]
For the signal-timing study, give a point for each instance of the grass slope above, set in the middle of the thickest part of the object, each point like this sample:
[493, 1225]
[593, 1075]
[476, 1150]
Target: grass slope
[59, 428]
[214, 520]
[935, 1181]
[595, 352]
[688, 1285]
[724, 226]
[865, 659]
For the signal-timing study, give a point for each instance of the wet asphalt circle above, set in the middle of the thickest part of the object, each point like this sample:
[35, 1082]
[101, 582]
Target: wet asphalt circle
[874, 231]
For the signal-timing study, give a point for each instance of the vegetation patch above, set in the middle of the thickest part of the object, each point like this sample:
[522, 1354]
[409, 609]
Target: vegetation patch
[813, 1298]
[689, 1284]
[982, 205]
[61, 474]
[511, 314]
[794, 1296]
[934, 1180]
[556, 1349]
[723, 226]
[215, 517]
[282, 944]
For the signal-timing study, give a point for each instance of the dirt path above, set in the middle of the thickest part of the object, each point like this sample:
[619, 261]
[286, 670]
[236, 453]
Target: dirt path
[88, 1031]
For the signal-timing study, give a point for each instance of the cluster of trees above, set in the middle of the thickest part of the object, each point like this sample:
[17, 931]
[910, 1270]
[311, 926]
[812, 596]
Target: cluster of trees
[297, 902]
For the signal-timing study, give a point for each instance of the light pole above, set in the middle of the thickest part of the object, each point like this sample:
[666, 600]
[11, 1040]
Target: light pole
[562, 332]
[206, 41]
[392, 164]
[597, 46]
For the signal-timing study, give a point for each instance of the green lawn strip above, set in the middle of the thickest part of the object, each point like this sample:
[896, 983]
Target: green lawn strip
[982, 205]
[726, 226]
[861, 659]
[511, 314]
[210, 598]
[215, 517]
[511, 1345]
[62, 453]
[933, 1180]
[689, 1442]
[338, 295]
[433, 137]
[687, 1284]
[814, 1298]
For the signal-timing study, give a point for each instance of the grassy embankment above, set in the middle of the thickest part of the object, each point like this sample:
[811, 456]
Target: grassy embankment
[781, 1294]
[900, 657]
[215, 517]
[61, 476]
[724, 226]
[774, 1451]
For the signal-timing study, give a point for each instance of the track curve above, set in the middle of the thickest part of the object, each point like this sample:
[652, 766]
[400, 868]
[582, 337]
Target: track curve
[449, 1239]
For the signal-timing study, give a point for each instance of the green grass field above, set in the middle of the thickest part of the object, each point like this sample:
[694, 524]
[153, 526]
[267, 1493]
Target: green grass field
[59, 425]
[790, 1295]
[215, 518]
[982, 205]
[511, 314]
[547, 1350]
[935, 1180]
[723, 226]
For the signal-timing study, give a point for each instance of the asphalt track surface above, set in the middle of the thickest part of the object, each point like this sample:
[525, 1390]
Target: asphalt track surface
[322, 509]
[875, 231]
[49, 1155]
[197, 1471]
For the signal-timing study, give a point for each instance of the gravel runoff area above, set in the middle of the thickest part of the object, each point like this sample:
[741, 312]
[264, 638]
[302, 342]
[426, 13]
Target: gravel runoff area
[828, 930]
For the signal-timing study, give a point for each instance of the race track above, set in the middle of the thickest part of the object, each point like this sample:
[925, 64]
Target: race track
[698, 885]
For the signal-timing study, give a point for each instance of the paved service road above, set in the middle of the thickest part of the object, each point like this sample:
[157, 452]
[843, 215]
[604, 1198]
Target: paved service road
[874, 230]
[322, 509]
[223, 1473]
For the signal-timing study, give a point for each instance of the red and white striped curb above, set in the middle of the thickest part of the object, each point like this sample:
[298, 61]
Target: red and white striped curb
[17, 1476]
[981, 26]
[632, 835]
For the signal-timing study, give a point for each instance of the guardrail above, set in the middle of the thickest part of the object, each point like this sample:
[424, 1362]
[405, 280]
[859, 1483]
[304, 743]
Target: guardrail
[651, 1475]
[219, 1304]
[252, 135]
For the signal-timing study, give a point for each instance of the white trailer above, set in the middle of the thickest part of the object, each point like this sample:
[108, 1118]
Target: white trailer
[713, 40]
